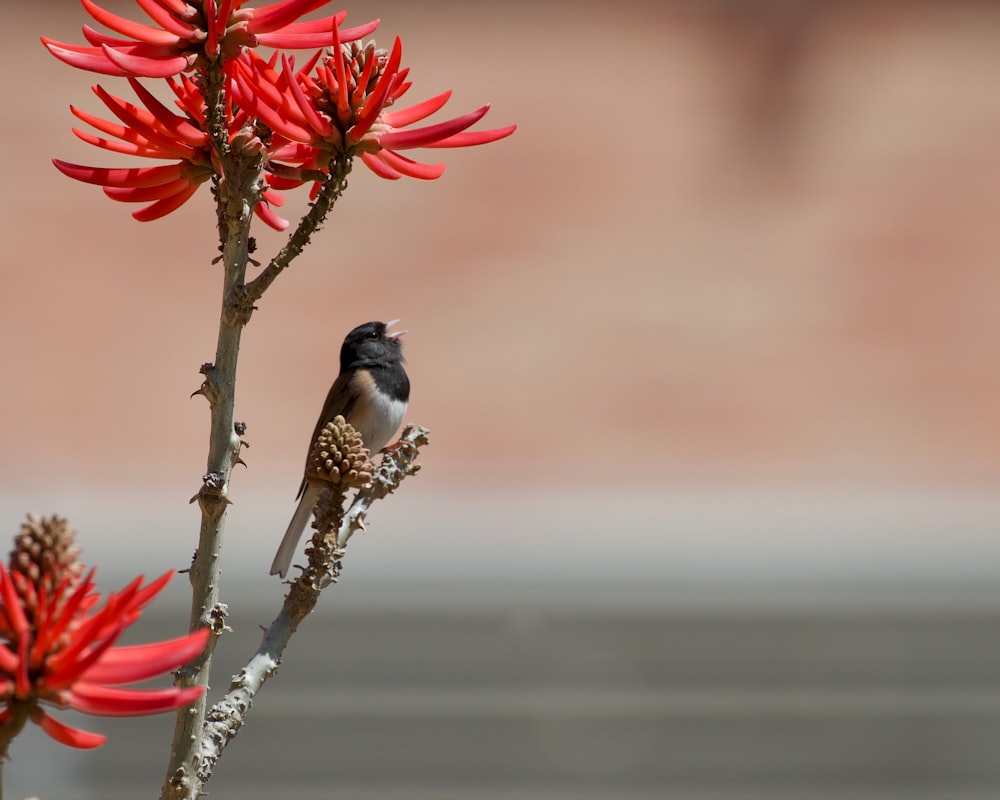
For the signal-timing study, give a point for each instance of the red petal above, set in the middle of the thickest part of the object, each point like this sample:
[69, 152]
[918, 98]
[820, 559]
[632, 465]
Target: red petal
[386, 82]
[277, 15]
[147, 67]
[407, 166]
[64, 734]
[266, 215]
[283, 181]
[379, 167]
[165, 206]
[128, 148]
[127, 27]
[178, 7]
[8, 661]
[176, 125]
[340, 65]
[73, 666]
[358, 31]
[407, 116]
[162, 17]
[122, 132]
[324, 25]
[149, 591]
[146, 194]
[104, 701]
[135, 176]
[292, 37]
[215, 27]
[97, 38]
[470, 138]
[278, 121]
[369, 112]
[139, 662]
[273, 198]
[91, 59]
[422, 137]
[12, 605]
[312, 117]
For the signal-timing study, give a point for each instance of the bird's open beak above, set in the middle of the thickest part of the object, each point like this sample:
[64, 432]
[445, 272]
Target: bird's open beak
[393, 334]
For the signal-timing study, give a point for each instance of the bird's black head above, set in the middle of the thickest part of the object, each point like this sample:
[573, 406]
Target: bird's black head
[372, 344]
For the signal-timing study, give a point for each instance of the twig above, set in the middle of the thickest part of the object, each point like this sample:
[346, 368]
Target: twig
[330, 190]
[334, 527]
[237, 191]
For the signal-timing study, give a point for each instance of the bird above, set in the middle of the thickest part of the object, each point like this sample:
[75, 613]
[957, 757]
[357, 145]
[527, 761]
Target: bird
[371, 393]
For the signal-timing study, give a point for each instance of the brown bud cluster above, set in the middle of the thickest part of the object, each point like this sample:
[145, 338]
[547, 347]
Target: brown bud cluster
[339, 456]
[45, 551]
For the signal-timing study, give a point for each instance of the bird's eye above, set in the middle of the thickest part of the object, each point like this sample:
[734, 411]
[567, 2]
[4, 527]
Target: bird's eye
[373, 334]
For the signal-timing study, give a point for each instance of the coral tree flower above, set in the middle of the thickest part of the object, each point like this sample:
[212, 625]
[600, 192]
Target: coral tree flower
[187, 33]
[343, 108]
[157, 132]
[58, 648]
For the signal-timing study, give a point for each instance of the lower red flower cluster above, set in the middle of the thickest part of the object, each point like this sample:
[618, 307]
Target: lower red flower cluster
[57, 649]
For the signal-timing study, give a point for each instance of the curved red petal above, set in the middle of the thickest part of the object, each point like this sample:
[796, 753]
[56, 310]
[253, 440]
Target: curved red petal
[12, 605]
[104, 701]
[146, 194]
[407, 116]
[126, 27]
[130, 148]
[177, 126]
[471, 138]
[302, 40]
[324, 25]
[91, 59]
[269, 18]
[407, 166]
[369, 112]
[379, 167]
[165, 206]
[313, 118]
[169, 22]
[8, 661]
[266, 215]
[178, 7]
[134, 176]
[279, 122]
[147, 67]
[273, 198]
[122, 132]
[73, 666]
[139, 662]
[386, 82]
[150, 590]
[283, 182]
[422, 137]
[358, 31]
[97, 38]
[64, 734]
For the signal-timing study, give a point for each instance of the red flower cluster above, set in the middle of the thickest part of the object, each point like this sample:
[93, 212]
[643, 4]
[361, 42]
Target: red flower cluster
[157, 132]
[191, 33]
[341, 107]
[335, 108]
[57, 649]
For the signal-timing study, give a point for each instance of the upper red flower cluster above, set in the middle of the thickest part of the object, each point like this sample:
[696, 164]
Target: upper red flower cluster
[335, 107]
[57, 649]
[191, 31]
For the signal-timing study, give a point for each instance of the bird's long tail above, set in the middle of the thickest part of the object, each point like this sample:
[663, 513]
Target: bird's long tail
[283, 558]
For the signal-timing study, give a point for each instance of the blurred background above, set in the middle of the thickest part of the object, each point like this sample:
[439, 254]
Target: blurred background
[708, 354]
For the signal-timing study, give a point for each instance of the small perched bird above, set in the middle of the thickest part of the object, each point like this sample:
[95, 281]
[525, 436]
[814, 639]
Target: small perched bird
[371, 393]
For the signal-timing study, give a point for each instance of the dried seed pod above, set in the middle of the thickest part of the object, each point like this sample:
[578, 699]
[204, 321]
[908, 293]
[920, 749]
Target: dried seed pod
[339, 456]
[45, 552]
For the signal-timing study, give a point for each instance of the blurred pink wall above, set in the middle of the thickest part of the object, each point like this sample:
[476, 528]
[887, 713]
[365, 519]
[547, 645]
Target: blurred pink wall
[735, 241]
